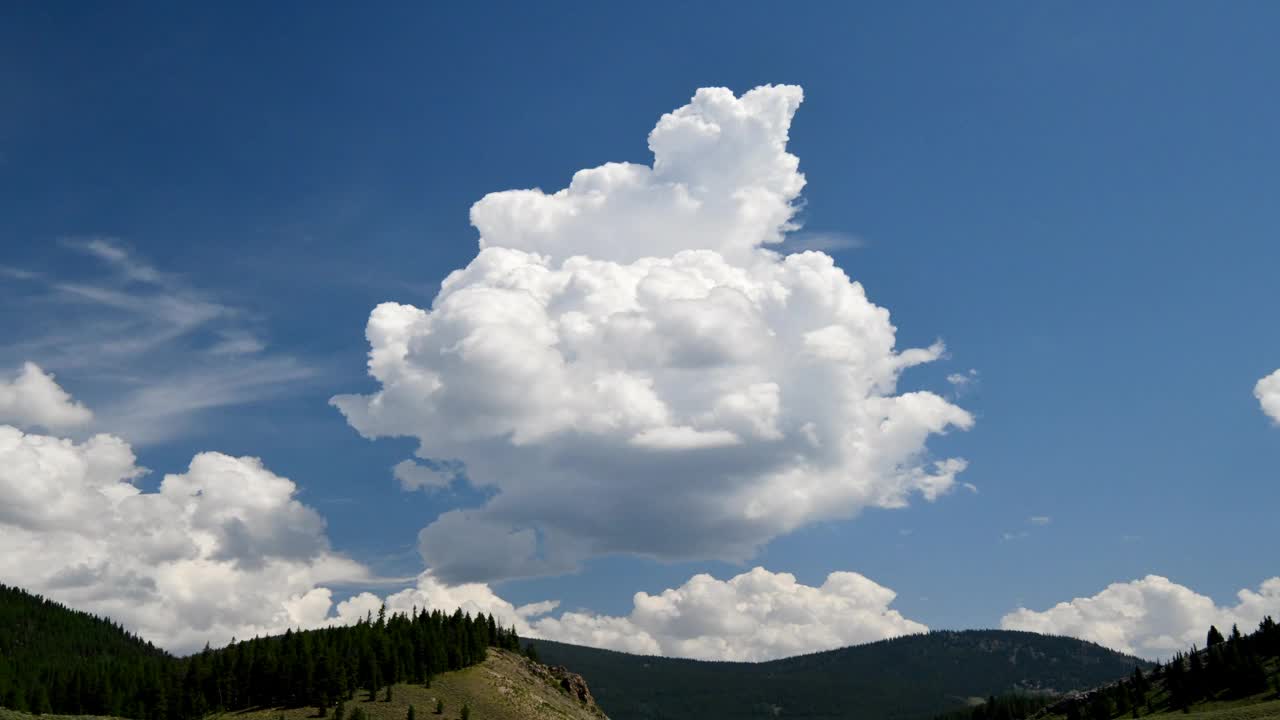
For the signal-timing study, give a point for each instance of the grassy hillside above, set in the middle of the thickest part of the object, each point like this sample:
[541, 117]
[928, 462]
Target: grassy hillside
[1263, 710]
[917, 676]
[1157, 701]
[505, 686]
[1263, 706]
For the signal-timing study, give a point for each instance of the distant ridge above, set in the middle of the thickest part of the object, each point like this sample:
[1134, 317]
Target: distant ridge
[904, 678]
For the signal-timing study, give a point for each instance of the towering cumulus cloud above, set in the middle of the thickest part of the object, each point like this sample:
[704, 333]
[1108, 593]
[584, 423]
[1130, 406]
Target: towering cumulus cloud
[628, 368]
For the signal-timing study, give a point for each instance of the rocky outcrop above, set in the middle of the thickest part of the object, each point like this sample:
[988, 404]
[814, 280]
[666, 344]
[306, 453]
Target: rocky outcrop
[570, 683]
[574, 684]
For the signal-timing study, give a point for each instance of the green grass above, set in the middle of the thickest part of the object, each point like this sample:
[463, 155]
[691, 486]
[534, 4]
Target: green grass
[1245, 709]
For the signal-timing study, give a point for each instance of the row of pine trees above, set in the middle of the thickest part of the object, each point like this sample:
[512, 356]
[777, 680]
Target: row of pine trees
[56, 660]
[1228, 667]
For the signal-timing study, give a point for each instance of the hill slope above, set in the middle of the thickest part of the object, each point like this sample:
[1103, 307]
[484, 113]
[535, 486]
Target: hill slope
[916, 676]
[1264, 710]
[1236, 677]
[53, 658]
[57, 660]
[505, 686]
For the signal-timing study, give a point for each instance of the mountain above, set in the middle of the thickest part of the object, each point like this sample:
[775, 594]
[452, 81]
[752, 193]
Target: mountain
[906, 678]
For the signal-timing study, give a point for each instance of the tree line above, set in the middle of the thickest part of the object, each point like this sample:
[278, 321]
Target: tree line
[1228, 667]
[57, 660]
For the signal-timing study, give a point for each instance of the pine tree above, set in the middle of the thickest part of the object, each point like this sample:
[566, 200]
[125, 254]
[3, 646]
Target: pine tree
[1176, 682]
[18, 700]
[1196, 676]
[1100, 706]
[1214, 638]
[1122, 699]
[41, 704]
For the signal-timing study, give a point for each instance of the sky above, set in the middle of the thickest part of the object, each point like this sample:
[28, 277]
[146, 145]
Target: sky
[721, 330]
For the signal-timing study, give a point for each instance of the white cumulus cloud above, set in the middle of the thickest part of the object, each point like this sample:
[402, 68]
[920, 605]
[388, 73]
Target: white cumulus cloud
[1152, 617]
[758, 615]
[627, 369]
[431, 593]
[1268, 393]
[34, 399]
[221, 550]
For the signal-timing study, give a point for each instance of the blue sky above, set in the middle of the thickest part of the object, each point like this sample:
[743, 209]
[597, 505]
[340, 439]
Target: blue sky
[1078, 199]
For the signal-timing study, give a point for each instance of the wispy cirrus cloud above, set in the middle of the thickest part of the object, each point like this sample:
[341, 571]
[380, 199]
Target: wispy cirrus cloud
[153, 348]
[1039, 521]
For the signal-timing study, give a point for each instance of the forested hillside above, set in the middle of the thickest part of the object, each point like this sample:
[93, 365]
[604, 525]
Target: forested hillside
[57, 660]
[1232, 673]
[916, 676]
